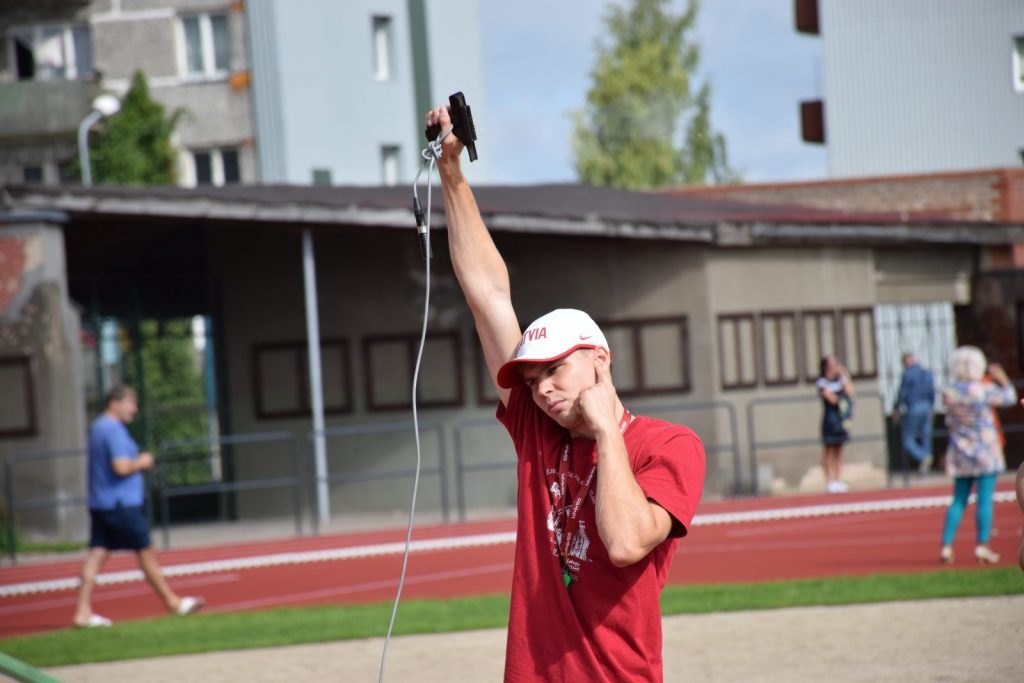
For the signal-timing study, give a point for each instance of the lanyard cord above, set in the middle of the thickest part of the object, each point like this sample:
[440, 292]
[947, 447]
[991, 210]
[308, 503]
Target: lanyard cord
[570, 523]
[430, 155]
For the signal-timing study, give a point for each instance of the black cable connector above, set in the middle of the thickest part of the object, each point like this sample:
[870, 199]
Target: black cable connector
[421, 228]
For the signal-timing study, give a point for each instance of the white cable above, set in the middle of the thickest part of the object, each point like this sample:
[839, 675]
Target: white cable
[430, 154]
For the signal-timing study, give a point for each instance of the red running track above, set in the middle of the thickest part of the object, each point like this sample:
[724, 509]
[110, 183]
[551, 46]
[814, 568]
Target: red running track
[747, 540]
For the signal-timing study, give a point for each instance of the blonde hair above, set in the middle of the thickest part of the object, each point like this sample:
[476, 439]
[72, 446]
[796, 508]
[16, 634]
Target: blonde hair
[968, 364]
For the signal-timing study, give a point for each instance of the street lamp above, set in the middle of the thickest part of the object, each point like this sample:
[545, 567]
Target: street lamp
[103, 105]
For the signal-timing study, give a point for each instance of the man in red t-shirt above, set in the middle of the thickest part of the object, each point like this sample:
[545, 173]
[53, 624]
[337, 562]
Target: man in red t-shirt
[604, 496]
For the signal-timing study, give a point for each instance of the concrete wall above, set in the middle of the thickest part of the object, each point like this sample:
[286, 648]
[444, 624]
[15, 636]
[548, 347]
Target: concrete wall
[372, 284]
[37, 322]
[794, 280]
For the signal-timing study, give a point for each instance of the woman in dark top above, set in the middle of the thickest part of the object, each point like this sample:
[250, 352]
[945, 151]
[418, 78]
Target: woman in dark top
[837, 394]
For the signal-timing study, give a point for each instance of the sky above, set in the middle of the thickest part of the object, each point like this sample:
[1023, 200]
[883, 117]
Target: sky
[537, 59]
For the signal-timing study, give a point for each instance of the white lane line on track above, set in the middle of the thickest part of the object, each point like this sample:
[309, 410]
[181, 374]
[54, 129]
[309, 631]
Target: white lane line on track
[272, 560]
[475, 540]
[68, 600]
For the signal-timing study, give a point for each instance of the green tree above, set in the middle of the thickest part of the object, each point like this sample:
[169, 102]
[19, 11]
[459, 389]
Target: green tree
[136, 147]
[171, 386]
[630, 134]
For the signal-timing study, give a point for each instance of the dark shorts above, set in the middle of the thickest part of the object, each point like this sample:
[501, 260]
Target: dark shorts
[123, 528]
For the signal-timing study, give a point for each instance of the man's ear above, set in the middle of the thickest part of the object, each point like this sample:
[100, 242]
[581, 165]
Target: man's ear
[603, 356]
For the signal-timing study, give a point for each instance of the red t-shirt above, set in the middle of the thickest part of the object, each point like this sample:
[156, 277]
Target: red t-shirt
[606, 626]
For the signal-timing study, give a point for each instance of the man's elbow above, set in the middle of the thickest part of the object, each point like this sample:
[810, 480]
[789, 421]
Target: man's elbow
[626, 554]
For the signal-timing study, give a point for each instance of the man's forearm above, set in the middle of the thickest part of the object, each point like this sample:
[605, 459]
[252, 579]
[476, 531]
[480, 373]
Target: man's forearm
[478, 265]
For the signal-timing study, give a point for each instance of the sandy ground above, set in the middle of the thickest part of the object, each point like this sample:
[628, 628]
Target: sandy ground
[974, 640]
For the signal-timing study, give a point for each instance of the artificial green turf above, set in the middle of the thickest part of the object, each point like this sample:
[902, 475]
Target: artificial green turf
[241, 630]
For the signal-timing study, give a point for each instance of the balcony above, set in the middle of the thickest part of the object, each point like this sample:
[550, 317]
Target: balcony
[14, 12]
[44, 109]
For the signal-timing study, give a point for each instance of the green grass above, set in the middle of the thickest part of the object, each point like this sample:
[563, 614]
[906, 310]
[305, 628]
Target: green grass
[215, 632]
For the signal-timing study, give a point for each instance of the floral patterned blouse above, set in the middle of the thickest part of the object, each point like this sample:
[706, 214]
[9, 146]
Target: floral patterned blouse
[974, 445]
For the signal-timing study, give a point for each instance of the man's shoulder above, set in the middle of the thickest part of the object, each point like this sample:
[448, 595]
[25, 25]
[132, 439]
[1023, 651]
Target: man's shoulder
[103, 423]
[663, 430]
[105, 426]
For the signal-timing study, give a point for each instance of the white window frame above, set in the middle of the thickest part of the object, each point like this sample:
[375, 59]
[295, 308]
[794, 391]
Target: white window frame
[190, 176]
[207, 48]
[390, 164]
[1018, 63]
[381, 31]
[67, 44]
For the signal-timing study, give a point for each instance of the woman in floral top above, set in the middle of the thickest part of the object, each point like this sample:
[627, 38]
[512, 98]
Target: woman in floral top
[975, 453]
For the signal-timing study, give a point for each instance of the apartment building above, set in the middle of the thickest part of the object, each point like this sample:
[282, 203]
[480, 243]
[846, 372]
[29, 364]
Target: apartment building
[270, 91]
[916, 86]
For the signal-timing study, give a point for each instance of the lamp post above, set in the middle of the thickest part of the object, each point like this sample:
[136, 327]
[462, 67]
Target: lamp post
[103, 105]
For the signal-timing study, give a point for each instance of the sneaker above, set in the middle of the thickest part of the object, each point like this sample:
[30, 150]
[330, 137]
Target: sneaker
[946, 554]
[94, 621]
[985, 555]
[925, 466]
[836, 487]
[190, 605]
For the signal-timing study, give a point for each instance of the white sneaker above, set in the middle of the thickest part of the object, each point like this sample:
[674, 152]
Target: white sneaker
[836, 487]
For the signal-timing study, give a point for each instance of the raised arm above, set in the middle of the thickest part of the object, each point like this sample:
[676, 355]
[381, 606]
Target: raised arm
[478, 265]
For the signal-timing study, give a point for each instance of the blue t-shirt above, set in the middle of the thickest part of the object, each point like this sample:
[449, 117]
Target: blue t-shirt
[108, 440]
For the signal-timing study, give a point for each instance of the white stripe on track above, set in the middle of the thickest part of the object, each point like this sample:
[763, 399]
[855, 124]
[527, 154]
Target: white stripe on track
[475, 540]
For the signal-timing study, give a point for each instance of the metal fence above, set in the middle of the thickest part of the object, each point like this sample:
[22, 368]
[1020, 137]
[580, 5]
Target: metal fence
[426, 426]
[172, 456]
[37, 503]
[300, 471]
[755, 444]
[157, 481]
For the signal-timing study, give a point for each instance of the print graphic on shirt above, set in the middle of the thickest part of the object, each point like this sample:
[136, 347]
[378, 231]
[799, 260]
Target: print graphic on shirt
[557, 519]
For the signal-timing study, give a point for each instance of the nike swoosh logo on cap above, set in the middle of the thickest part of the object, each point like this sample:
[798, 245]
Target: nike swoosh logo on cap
[582, 338]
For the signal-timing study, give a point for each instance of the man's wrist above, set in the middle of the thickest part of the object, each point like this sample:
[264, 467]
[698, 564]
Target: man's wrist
[450, 171]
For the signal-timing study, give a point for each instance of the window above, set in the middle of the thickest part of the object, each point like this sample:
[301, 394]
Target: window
[215, 167]
[928, 330]
[858, 342]
[205, 49]
[389, 164]
[820, 338]
[322, 177]
[737, 351]
[779, 348]
[32, 175]
[381, 37]
[280, 378]
[17, 401]
[649, 356]
[67, 172]
[51, 53]
[1018, 63]
[389, 361]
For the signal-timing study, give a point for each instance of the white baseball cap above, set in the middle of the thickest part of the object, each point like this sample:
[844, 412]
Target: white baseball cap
[550, 337]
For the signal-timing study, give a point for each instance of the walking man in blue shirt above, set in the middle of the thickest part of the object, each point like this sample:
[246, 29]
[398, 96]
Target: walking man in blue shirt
[117, 520]
[913, 412]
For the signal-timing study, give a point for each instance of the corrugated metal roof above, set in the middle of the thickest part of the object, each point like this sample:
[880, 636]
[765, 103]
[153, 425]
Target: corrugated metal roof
[555, 209]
